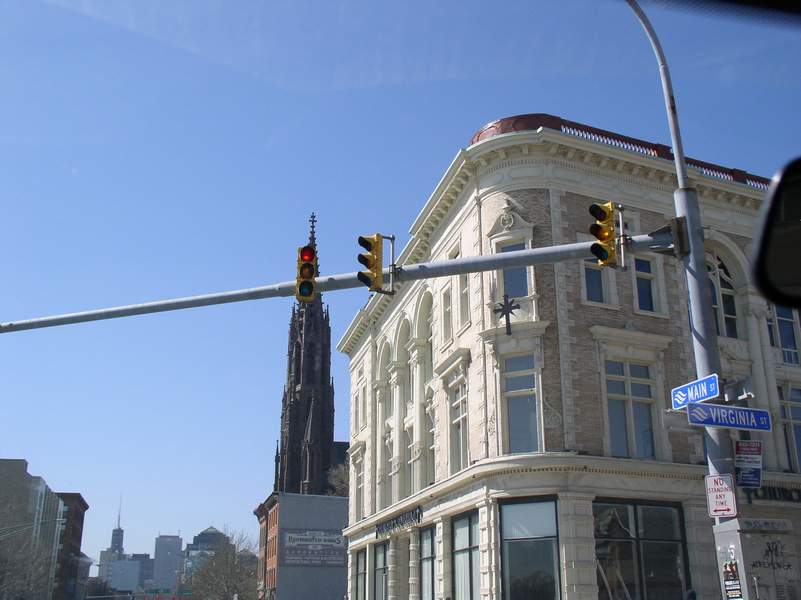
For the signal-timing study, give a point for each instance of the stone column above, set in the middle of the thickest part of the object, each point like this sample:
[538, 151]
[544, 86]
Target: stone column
[488, 550]
[414, 564]
[416, 356]
[769, 362]
[392, 569]
[380, 394]
[577, 546]
[398, 376]
[755, 313]
[444, 568]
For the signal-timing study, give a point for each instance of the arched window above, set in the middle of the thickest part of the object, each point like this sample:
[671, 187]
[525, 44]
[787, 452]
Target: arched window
[723, 294]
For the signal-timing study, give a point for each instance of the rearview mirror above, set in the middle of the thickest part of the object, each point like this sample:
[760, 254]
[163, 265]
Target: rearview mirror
[777, 261]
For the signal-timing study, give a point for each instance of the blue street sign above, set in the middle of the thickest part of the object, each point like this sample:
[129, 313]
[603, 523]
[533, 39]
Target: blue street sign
[699, 390]
[714, 415]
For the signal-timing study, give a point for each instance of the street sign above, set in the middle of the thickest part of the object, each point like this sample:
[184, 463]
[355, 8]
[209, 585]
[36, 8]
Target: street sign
[720, 499]
[699, 390]
[748, 463]
[715, 415]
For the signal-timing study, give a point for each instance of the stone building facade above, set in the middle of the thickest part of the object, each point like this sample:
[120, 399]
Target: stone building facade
[545, 463]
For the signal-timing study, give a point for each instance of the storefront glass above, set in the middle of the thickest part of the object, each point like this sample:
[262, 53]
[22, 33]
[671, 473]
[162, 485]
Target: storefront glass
[466, 571]
[361, 575]
[380, 583]
[427, 562]
[640, 552]
[530, 552]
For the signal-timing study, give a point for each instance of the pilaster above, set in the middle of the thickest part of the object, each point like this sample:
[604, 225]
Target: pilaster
[577, 546]
[392, 570]
[414, 564]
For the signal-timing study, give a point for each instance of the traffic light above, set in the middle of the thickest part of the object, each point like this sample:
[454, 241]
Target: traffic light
[307, 269]
[605, 249]
[373, 278]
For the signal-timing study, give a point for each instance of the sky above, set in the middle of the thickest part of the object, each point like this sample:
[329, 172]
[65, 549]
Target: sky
[151, 150]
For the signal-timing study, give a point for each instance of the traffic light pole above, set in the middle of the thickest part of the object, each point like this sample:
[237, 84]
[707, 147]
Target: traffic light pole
[720, 455]
[660, 240]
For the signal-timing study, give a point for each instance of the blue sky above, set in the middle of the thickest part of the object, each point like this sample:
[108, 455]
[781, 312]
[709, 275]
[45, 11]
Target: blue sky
[154, 149]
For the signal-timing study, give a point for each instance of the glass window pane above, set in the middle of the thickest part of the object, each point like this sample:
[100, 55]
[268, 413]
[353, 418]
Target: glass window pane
[614, 367]
[618, 431]
[659, 522]
[523, 419]
[642, 265]
[593, 280]
[784, 313]
[795, 394]
[731, 327]
[797, 436]
[615, 387]
[461, 535]
[427, 580]
[639, 371]
[640, 390]
[528, 520]
[618, 577]
[663, 570]
[426, 543]
[474, 529]
[475, 569]
[515, 280]
[461, 576]
[530, 570]
[613, 520]
[519, 382]
[643, 430]
[518, 363]
[729, 305]
[645, 294]
[787, 334]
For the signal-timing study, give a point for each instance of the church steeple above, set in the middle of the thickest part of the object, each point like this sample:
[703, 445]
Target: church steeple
[304, 457]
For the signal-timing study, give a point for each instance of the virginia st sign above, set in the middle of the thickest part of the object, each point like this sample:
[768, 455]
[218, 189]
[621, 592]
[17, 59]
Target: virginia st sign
[715, 415]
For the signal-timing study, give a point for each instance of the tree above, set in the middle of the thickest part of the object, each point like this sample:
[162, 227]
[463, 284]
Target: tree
[231, 570]
[338, 480]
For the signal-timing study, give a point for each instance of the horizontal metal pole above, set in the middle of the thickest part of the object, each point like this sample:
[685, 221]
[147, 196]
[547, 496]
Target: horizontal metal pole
[471, 264]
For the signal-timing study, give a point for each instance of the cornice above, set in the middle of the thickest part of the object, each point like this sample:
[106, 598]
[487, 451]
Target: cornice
[631, 164]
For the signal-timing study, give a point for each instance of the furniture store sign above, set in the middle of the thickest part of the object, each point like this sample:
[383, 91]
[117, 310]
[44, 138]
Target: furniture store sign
[312, 548]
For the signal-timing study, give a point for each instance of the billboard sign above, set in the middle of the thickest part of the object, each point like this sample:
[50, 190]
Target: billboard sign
[312, 548]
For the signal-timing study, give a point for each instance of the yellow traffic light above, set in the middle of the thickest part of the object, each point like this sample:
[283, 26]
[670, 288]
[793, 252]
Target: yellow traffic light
[373, 278]
[307, 269]
[605, 249]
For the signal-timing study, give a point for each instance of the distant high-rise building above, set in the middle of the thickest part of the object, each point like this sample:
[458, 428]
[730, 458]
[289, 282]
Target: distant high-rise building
[123, 574]
[72, 563]
[31, 518]
[167, 558]
[204, 545]
[145, 569]
[115, 552]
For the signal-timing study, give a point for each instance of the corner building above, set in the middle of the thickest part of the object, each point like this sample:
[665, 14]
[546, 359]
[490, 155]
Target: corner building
[545, 464]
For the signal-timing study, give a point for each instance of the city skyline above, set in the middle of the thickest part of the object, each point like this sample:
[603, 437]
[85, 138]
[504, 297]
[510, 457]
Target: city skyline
[179, 150]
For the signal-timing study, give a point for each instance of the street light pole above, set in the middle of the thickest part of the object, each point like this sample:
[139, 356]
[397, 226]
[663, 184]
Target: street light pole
[720, 456]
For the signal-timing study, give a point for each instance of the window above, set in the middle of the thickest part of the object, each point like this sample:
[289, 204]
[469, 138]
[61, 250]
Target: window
[359, 498]
[363, 408]
[645, 279]
[639, 551]
[430, 458]
[429, 359]
[459, 433]
[380, 582]
[361, 575]
[356, 413]
[530, 551]
[447, 323]
[466, 572]
[515, 279]
[427, 564]
[723, 296]
[791, 417]
[785, 323]
[464, 299]
[593, 281]
[629, 397]
[520, 399]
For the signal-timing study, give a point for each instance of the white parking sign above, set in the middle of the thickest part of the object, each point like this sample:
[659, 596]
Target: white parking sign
[720, 497]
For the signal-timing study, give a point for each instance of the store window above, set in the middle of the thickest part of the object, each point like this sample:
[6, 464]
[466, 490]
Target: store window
[428, 557]
[784, 332]
[515, 279]
[466, 572]
[630, 400]
[361, 575]
[639, 551]
[530, 551]
[520, 399]
[459, 430]
[791, 419]
[381, 580]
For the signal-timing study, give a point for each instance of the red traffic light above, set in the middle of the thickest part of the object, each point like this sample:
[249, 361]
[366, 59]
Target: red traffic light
[307, 254]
